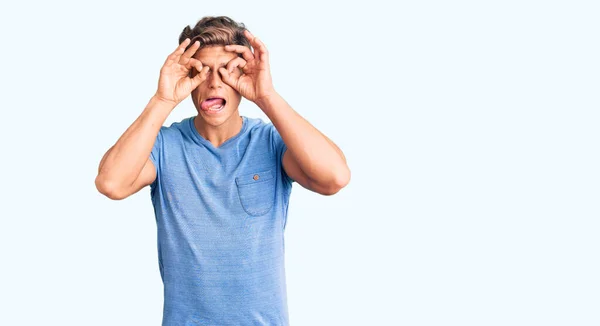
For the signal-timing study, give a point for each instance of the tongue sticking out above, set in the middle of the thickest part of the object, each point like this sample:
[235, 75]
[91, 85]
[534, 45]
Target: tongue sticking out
[212, 102]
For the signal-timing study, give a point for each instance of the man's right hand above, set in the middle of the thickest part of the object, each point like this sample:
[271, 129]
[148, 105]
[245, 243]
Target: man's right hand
[175, 83]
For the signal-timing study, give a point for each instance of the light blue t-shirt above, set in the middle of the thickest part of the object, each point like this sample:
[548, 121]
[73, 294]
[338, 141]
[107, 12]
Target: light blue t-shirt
[221, 213]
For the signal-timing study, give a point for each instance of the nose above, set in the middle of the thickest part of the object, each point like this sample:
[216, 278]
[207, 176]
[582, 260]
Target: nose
[214, 80]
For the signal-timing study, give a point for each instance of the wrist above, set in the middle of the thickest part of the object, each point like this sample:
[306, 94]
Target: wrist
[266, 102]
[161, 103]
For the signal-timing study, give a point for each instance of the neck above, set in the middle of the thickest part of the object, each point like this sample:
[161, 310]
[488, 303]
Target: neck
[217, 135]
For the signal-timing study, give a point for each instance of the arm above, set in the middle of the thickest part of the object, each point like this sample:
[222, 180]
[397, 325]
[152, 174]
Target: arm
[126, 167]
[120, 171]
[311, 159]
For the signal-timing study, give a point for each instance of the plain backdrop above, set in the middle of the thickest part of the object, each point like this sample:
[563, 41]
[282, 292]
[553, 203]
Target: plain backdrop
[471, 129]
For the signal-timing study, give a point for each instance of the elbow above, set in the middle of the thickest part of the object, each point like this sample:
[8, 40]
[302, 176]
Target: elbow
[108, 189]
[340, 180]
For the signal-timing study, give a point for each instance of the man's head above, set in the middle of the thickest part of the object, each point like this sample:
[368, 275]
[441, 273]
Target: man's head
[214, 33]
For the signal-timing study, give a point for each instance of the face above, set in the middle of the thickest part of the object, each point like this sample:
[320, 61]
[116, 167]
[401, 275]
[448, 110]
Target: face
[214, 87]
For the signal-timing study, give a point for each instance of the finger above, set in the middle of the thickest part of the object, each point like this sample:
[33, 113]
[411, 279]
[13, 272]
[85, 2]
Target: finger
[260, 49]
[243, 50]
[249, 36]
[263, 53]
[174, 57]
[192, 63]
[189, 53]
[201, 75]
[237, 62]
[227, 77]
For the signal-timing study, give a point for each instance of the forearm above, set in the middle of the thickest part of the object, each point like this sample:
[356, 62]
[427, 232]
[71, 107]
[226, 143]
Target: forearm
[123, 162]
[316, 155]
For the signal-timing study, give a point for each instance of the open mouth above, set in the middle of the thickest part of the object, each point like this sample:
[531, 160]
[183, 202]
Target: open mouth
[213, 104]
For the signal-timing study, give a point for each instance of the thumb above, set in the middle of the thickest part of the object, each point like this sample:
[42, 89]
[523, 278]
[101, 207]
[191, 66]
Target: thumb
[200, 76]
[227, 77]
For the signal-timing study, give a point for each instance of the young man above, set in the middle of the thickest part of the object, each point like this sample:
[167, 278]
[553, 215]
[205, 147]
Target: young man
[220, 182]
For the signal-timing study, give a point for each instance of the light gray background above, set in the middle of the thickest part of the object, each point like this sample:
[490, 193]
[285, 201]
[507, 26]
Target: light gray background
[470, 127]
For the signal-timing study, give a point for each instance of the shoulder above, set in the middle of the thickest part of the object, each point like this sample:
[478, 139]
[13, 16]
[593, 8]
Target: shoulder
[180, 126]
[176, 129]
[258, 130]
[261, 128]
[256, 125]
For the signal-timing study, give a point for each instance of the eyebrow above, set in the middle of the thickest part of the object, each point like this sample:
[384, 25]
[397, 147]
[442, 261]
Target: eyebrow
[223, 64]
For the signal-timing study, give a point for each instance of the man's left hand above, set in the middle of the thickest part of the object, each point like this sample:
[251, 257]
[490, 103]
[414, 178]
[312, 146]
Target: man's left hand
[255, 82]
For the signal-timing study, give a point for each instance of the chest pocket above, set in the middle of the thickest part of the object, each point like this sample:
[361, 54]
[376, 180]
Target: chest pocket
[256, 191]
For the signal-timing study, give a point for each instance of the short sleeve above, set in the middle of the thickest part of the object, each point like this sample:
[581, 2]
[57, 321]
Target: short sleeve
[155, 155]
[280, 148]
